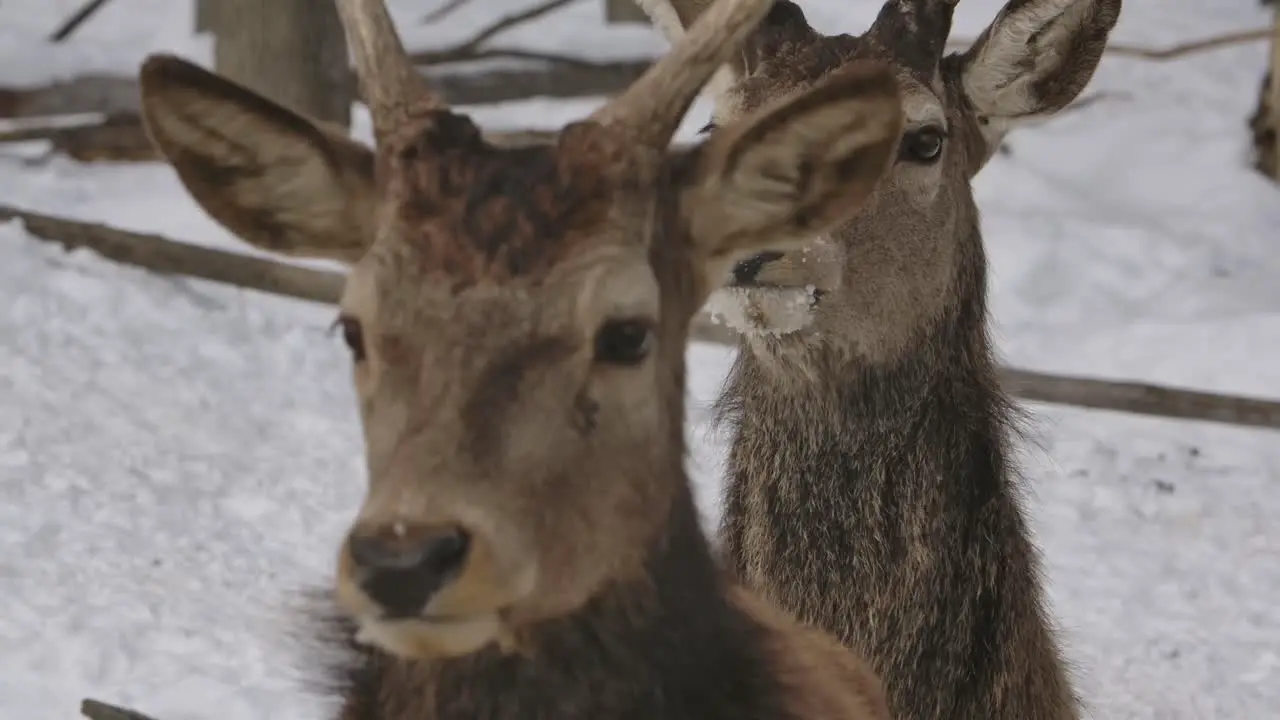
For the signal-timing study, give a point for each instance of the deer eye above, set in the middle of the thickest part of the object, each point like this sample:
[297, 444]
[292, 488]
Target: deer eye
[922, 146]
[624, 342]
[352, 335]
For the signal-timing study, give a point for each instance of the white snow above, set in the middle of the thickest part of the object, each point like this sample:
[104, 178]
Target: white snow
[770, 311]
[178, 458]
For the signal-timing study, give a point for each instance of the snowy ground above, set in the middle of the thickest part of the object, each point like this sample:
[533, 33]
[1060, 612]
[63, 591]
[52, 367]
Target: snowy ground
[177, 458]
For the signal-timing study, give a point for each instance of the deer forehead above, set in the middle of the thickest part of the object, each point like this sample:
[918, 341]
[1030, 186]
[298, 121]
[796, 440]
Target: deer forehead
[397, 294]
[480, 213]
[921, 103]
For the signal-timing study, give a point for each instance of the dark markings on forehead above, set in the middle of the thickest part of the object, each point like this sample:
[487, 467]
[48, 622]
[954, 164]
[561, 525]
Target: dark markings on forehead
[497, 388]
[789, 54]
[479, 212]
[915, 32]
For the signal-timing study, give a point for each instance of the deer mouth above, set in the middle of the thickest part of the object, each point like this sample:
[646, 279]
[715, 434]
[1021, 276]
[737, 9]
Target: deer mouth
[431, 637]
[757, 309]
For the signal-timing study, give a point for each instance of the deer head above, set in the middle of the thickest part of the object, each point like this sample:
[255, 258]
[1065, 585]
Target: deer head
[517, 316]
[886, 279]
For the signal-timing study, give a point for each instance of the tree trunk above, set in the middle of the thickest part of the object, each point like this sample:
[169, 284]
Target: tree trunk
[206, 11]
[292, 51]
[1265, 122]
[624, 11]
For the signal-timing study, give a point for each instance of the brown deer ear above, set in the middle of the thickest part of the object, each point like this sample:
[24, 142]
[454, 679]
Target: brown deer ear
[785, 174]
[277, 180]
[1033, 60]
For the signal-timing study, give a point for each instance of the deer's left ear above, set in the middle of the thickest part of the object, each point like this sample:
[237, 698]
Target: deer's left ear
[785, 174]
[1034, 59]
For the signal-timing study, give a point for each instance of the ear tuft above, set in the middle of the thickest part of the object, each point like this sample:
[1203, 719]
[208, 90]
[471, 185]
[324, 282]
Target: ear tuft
[798, 169]
[274, 178]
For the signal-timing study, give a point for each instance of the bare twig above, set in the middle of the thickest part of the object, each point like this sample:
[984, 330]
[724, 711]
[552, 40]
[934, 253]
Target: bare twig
[467, 48]
[1243, 37]
[78, 18]
[443, 11]
[95, 710]
[163, 255]
[446, 57]
[1191, 47]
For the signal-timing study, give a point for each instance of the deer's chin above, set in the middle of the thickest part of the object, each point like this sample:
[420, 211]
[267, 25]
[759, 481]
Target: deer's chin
[432, 638]
[765, 310]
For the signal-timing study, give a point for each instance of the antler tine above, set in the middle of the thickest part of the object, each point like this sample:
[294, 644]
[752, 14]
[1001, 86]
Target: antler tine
[390, 86]
[922, 24]
[654, 104]
[672, 16]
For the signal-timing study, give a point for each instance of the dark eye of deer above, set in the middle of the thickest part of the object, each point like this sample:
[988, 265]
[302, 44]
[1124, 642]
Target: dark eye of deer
[624, 342]
[922, 146]
[353, 336]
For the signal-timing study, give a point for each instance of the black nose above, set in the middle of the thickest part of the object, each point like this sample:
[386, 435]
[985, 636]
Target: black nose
[745, 272]
[402, 567]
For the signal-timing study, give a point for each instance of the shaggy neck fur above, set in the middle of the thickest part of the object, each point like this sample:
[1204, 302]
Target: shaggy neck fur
[878, 503]
[668, 646]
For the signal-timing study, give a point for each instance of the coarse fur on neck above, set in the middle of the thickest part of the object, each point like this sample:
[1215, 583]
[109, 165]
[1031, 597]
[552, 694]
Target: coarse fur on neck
[668, 645]
[895, 518]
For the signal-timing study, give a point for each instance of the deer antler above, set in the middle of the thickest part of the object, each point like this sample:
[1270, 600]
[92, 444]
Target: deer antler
[390, 85]
[654, 104]
[921, 24]
[672, 16]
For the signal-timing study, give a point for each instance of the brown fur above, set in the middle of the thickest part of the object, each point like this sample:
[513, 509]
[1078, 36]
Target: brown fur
[870, 490]
[482, 308]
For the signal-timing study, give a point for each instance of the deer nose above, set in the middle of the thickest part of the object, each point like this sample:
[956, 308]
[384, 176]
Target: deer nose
[745, 272]
[403, 566]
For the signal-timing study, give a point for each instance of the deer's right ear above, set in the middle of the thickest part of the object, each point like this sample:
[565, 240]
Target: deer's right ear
[277, 180]
[781, 176]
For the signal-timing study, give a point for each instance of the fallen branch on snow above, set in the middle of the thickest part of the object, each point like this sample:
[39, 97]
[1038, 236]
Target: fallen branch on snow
[162, 255]
[95, 710]
[122, 137]
[555, 77]
[117, 137]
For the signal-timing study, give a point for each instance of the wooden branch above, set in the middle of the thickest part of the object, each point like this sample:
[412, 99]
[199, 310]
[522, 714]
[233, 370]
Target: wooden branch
[443, 11]
[448, 57]
[468, 48]
[1141, 399]
[561, 77]
[558, 77]
[123, 138]
[1192, 47]
[163, 255]
[119, 137]
[95, 710]
[78, 18]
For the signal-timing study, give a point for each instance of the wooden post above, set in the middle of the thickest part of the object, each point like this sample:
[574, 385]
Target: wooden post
[292, 51]
[206, 11]
[624, 11]
[1265, 122]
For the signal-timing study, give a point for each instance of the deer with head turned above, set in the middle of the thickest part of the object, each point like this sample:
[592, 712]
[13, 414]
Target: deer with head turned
[869, 487]
[528, 546]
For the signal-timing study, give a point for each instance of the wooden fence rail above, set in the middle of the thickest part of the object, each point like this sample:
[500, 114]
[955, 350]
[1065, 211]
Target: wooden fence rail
[163, 255]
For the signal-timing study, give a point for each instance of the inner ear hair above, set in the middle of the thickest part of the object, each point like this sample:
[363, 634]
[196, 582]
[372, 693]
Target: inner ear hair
[798, 168]
[276, 179]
